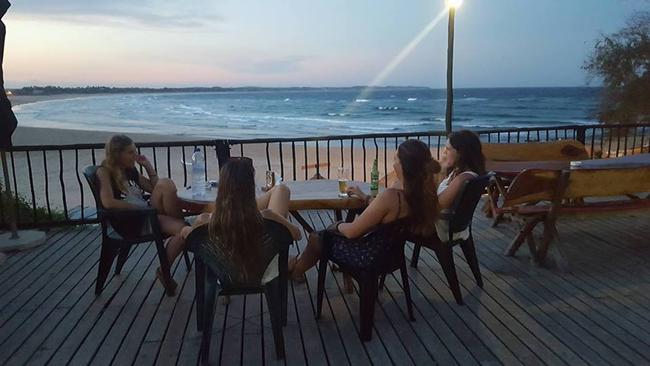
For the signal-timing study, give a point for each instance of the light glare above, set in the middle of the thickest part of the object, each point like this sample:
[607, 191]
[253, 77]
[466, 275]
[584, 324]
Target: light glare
[454, 3]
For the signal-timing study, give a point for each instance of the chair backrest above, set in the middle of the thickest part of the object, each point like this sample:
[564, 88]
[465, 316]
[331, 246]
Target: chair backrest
[387, 241]
[91, 177]
[277, 240]
[532, 185]
[563, 150]
[607, 182]
[462, 210]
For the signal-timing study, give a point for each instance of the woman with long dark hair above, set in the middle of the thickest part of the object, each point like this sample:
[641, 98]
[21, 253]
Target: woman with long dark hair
[122, 187]
[462, 159]
[236, 223]
[412, 197]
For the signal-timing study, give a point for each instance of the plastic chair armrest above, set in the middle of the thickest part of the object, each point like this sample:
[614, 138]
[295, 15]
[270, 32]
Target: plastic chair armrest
[126, 213]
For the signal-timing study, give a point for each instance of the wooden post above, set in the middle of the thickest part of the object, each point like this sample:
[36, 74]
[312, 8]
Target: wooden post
[450, 70]
[222, 148]
[581, 134]
[11, 215]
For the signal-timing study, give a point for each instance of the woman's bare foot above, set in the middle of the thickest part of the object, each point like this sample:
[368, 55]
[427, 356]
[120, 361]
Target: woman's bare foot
[291, 265]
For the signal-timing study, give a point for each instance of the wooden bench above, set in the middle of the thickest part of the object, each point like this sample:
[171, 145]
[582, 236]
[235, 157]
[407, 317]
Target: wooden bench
[538, 196]
[562, 150]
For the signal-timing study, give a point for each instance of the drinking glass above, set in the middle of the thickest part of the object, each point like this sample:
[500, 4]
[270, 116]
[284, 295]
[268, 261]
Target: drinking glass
[270, 179]
[343, 174]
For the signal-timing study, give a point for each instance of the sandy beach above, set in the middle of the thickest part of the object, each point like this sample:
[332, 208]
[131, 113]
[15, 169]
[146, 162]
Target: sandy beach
[25, 99]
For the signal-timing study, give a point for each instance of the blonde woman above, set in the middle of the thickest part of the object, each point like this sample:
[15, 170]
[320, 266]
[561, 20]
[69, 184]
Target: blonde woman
[123, 187]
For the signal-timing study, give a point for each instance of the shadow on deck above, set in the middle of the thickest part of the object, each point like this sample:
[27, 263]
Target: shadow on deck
[599, 313]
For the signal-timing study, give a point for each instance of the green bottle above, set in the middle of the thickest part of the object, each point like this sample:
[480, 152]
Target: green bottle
[374, 179]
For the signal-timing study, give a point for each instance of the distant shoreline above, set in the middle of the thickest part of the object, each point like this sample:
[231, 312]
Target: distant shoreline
[17, 100]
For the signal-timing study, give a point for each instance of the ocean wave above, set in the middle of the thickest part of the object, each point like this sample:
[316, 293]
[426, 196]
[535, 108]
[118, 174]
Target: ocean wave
[265, 114]
[411, 99]
[442, 119]
[471, 99]
[506, 115]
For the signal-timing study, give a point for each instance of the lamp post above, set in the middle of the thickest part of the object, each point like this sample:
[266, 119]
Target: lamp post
[452, 5]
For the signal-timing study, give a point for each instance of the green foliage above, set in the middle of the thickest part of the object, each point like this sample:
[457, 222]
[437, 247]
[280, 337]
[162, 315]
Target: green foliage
[26, 215]
[622, 61]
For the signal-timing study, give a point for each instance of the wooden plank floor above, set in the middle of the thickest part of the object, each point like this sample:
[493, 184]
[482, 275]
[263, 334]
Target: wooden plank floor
[598, 313]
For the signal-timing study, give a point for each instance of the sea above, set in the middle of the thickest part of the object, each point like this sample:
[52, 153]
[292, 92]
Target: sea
[314, 112]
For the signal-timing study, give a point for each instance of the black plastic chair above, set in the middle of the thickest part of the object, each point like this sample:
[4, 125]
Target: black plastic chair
[222, 280]
[114, 244]
[460, 218]
[369, 276]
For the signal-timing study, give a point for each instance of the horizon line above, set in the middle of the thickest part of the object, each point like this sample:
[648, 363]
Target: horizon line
[297, 87]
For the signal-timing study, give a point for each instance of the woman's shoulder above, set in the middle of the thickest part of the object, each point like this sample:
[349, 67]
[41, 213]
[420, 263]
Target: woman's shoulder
[391, 193]
[464, 175]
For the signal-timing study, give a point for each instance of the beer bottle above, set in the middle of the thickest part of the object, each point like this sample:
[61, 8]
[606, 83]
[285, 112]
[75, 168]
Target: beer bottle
[374, 179]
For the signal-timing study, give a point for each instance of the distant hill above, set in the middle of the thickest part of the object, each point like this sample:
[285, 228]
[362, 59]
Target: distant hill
[53, 90]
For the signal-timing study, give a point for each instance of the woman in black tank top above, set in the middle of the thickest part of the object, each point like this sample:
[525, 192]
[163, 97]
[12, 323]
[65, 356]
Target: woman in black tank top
[411, 198]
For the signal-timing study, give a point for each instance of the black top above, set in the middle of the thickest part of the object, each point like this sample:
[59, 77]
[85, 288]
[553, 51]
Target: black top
[133, 179]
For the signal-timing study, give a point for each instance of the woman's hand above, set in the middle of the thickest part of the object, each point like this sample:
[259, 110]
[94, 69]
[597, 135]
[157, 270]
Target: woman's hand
[355, 191]
[142, 160]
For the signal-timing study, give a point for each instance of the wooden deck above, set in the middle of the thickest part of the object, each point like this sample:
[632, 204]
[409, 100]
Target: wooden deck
[599, 313]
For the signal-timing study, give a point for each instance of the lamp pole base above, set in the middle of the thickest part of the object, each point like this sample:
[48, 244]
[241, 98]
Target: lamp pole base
[27, 239]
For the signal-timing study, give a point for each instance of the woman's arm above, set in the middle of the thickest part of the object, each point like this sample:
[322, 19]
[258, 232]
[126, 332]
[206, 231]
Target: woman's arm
[296, 233]
[371, 216]
[147, 183]
[448, 196]
[202, 219]
[106, 192]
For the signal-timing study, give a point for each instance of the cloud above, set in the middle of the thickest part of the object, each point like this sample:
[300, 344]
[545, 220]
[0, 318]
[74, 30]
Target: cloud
[148, 13]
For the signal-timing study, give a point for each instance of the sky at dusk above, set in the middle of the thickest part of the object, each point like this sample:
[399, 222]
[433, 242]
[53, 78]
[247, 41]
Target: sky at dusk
[499, 43]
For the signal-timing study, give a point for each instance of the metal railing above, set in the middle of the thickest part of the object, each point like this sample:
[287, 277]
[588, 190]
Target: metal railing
[49, 181]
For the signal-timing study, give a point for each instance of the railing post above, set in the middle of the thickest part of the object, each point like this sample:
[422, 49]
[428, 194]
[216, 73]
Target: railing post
[581, 134]
[11, 215]
[222, 148]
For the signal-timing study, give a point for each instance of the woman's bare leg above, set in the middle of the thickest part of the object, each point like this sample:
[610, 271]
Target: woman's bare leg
[164, 198]
[175, 246]
[172, 226]
[276, 199]
[308, 258]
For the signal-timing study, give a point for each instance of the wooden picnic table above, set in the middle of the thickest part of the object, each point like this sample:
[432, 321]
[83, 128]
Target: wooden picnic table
[321, 194]
[540, 196]
[510, 169]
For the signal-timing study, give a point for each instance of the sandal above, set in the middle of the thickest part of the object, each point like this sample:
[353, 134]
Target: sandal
[170, 287]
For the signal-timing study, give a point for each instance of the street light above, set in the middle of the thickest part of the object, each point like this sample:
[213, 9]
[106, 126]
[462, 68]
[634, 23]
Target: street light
[452, 5]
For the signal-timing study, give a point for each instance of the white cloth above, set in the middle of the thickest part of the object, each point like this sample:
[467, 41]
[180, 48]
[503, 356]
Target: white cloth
[271, 271]
[442, 226]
